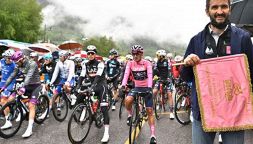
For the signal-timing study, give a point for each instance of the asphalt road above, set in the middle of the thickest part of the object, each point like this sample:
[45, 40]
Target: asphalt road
[53, 132]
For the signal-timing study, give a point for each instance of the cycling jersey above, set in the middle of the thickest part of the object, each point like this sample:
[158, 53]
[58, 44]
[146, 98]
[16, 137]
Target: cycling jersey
[6, 69]
[66, 69]
[48, 69]
[176, 71]
[141, 71]
[112, 68]
[162, 69]
[94, 70]
[78, 70]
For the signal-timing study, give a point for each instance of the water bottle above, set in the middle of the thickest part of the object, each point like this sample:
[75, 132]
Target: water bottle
[95, 103]
[73, 99]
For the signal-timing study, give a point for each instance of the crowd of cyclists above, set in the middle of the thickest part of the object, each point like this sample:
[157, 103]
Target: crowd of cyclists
[138, 72]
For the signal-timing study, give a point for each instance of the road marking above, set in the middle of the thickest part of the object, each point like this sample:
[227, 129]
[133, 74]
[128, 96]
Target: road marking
[137, 133]
[138, 130]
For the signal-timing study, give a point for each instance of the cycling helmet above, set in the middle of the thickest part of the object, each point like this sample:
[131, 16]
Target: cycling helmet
[148, 58]
[113, 52]
[129, 57]
[91, 48]
[161, 53]
[78, 59]
[178, 58]
[9, 52]
[63, 53]
[137, 49]
[170, 55]
[17, 56]
[33, 54]
[48, 56]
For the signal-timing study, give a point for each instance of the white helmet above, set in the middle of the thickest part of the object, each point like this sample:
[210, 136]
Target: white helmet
[91, 48]
[129, 57]
[33, 54]
[178, 58]
[63, 53]
[148, 58]
[155, 59]
[169, 55]
[161, 53]
[9, 52]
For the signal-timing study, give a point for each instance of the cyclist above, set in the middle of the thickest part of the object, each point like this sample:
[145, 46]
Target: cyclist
[95, 71]
[130, 83]
[142, 76]
[6, 67]
[48, 69]
[162, 70]
[32, 85]
[112, 74]
[176, 69]
[170, 58]
[78, 65]
[35, 57]
[66, 69]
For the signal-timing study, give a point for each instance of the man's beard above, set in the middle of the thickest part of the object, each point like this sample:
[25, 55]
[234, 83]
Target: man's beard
[219, 25]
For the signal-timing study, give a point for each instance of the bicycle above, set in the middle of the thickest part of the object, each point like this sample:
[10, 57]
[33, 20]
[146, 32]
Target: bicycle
[139, 115]
[61, 103]
[183, 104]
[160, 100]
[18, 111]
[83, 116]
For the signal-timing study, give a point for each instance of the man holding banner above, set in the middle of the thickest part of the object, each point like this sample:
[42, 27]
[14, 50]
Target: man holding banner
[219, 39]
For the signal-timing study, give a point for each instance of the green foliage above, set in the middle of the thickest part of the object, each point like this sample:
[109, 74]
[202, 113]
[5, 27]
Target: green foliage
[151, 46]
[20, 20]
[103, 44]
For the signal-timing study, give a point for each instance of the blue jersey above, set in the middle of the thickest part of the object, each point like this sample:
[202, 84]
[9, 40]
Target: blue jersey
[112, 68]
[6, 69]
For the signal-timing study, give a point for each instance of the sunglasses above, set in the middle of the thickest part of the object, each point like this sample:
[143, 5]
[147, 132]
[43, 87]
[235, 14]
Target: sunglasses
[8, 57]
[135, 54]
[90, 53]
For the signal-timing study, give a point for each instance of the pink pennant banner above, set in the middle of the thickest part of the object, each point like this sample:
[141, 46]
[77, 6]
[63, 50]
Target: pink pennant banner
[224, 93]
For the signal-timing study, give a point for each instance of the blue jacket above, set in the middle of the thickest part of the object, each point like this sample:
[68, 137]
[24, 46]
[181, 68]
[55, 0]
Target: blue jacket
[240, 43]
[6, 69]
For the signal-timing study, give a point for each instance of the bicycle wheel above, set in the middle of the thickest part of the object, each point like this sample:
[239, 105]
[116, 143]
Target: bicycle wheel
[158, 106]
[133, 124]
[121, 107]
[42, 109]
[177, 95]
[15, 116]
[78, 129]
[182, 110]
[60, 108]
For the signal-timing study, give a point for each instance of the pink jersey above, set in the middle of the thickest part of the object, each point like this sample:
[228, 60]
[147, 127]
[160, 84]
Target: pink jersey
[141, 71]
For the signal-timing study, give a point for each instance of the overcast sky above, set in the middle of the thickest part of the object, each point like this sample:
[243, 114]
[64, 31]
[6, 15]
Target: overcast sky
[176, 20]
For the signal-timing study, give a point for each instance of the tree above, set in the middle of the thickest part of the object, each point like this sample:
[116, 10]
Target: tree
[20, 20]
[103, 44]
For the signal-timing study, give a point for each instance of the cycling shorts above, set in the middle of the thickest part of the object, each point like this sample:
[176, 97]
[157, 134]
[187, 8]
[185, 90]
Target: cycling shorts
[148, 98]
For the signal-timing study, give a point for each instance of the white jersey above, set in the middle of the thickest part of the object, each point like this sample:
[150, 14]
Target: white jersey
[66, 69]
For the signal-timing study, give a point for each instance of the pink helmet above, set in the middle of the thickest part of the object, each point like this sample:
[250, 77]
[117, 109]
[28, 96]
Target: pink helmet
[18, 55]
[137, 49]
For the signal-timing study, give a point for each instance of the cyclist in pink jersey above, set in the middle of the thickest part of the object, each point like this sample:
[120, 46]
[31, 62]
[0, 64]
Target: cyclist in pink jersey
[142, 73]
